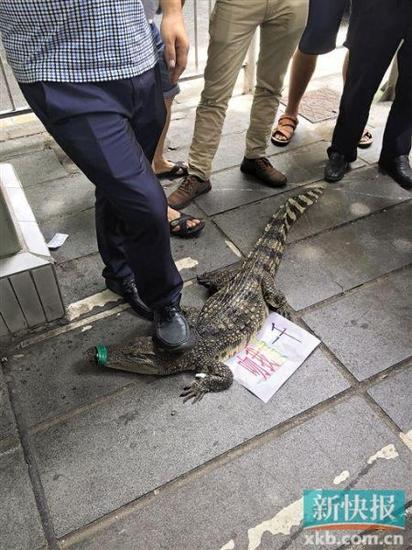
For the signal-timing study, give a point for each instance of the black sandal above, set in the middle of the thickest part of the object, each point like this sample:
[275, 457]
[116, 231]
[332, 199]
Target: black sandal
[185, 231]
[178, 170]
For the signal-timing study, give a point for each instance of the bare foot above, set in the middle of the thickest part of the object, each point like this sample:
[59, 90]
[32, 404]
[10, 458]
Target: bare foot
[175, 214]
[162, 165]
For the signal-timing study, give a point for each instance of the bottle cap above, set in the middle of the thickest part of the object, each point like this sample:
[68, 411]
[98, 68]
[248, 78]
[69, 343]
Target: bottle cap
[101, 355]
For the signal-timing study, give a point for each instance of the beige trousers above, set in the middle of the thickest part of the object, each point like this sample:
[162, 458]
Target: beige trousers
[232, 26]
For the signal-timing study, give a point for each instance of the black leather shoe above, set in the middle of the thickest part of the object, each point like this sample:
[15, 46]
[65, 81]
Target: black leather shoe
[171, 330]
[336, 167]
[127, 289]
[399, 169]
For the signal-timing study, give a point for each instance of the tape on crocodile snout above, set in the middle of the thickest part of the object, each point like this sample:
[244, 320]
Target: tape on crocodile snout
[101, 355]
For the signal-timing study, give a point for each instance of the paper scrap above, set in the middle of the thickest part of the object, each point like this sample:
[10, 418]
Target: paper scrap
[272, 356]
[57, 241]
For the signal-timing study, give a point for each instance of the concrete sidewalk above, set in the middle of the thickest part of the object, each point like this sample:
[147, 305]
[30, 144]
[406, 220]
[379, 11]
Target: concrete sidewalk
[110, 460]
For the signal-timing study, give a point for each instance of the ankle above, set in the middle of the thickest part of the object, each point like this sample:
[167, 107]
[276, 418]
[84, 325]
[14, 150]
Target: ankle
[292, 112]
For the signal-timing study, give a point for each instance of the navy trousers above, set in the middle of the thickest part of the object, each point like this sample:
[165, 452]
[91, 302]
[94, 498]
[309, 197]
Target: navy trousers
[110, 130]
[376, 31]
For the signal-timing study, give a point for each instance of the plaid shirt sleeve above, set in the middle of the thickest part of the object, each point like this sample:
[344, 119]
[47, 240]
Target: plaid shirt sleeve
[76, 40]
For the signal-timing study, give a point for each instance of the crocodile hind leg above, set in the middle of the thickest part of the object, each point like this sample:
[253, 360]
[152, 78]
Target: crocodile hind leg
[274, 298]
[216, 280]
[214, 377]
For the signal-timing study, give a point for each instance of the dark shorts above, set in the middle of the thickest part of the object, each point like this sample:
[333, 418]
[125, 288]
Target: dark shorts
[322, 28]
[169, 90]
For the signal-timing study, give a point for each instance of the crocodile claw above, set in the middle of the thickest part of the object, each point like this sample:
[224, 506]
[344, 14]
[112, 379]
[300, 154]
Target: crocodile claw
[195, 391]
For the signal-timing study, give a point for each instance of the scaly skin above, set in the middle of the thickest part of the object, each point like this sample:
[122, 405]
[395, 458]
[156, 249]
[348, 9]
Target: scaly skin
[230, 317]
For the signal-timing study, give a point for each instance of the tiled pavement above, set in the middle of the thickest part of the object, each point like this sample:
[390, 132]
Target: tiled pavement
[110, 460]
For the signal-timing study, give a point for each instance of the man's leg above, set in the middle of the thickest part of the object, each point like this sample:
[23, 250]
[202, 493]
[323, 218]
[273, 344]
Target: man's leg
[160, 163]
[397, 138]
[303, 67]
[104, 146]
[319, 37]
[364, 76]
[232, 26]
[118, 274]
[279, 36]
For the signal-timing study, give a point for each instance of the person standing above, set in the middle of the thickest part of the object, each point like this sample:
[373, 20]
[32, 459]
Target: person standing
[319, 37]
[88, 69]
[232, 26]
[181, 224]
[389, 28]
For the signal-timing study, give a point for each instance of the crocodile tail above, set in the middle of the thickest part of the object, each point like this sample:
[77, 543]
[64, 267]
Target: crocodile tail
[269, 249]
[296, 206]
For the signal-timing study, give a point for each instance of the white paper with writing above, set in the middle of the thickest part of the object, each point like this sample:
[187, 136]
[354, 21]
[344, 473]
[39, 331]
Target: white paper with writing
[272, 356]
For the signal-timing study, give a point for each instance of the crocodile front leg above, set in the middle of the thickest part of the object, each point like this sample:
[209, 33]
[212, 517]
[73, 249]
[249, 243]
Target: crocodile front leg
[274, 298]
[214, 377]
[216, 280]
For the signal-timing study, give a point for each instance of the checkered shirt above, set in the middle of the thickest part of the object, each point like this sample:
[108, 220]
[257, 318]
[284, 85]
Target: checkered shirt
[76, 40]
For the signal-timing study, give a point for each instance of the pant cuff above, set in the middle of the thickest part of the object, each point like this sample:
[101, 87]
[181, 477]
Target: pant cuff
[172, 298]
[349, 157]
[198, 173]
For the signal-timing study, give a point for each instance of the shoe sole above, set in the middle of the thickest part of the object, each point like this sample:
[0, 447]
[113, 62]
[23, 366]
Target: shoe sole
[186, 203]
[274, 186]
[280, 143]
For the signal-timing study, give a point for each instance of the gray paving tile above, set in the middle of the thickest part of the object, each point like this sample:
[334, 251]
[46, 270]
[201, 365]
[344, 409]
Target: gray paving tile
[52, 377]
[61, 197]
[326, 265]
[38, 167]
[80, 278]
[82, 235]
[231, 188]
[372, 153]
[145, 437]
[25, 145]
[18, 99]
[4, 331]
[232, 144]
[208, 252]
[394, 396]
[20, 522]
[231, 502]
[6, 103]
[363, 192]
[180, 133]
[7, 425]
[369, 330]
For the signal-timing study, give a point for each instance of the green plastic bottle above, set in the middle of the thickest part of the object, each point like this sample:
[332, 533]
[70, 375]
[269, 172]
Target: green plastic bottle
[136, 357]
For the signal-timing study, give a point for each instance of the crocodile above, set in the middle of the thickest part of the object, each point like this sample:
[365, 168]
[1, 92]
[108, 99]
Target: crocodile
[238, 305]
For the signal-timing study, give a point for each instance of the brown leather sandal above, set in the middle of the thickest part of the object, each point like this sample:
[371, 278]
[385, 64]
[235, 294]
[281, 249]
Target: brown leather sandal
[285, 130]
